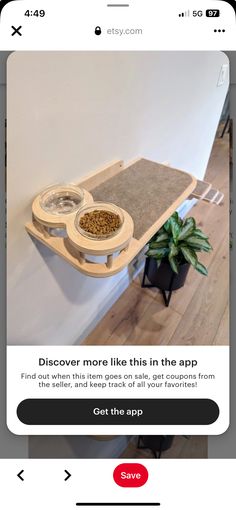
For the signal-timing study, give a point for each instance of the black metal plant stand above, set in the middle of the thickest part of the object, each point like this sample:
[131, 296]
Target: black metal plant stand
[156, 444]
[142, 447]
[165, 293]
[227, 125]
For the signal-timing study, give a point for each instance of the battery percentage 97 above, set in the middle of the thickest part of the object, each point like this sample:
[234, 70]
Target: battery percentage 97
[212, 13]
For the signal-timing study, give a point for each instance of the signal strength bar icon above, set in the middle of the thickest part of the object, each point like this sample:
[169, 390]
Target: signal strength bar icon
[184, 14]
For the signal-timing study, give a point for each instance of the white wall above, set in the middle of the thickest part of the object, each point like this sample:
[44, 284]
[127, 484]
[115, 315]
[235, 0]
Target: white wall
[70, 113]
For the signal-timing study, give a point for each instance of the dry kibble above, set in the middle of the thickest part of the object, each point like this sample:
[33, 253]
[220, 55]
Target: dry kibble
[100, 222]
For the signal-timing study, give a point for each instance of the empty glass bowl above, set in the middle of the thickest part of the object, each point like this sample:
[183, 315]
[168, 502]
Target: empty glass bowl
[62, 199]
[99, 221]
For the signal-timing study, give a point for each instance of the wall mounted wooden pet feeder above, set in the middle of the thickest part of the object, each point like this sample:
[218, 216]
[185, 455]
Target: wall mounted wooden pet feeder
[144, 194]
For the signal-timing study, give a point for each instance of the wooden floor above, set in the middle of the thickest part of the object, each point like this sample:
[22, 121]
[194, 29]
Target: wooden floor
[194, 447]
[199, 312]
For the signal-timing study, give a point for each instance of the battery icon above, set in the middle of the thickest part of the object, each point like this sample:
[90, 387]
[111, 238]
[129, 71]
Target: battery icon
[213, 13]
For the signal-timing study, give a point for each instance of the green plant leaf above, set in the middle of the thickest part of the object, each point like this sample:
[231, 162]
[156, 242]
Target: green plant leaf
[201, 269]
[162, 237]
[189, 255]
[177, 218]
[196, 242]
[152, 252]
[159, 233]
[154, 243]
[194, 248]
[174, 264]
[174, 250]
[159, 244]
[152, 239]
[179, 241]
[175, 229]
[167, 226]
[197, 232]
[187, 229]
[158, 253]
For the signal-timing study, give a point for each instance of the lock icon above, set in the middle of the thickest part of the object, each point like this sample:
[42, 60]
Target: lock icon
[98, 30]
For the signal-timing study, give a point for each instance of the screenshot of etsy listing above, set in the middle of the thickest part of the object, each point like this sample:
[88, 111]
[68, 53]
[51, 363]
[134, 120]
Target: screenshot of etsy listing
[117, 242]
[117, 140]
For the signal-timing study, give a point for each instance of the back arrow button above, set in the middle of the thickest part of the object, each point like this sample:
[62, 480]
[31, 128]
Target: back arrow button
[19, 475]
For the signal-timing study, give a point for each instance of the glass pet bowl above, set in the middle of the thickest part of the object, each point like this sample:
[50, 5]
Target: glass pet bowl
[99, 221]
[62, 199]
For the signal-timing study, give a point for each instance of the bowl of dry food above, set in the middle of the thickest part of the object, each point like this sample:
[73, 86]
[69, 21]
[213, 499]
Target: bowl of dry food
[99, 221]
[62, 199]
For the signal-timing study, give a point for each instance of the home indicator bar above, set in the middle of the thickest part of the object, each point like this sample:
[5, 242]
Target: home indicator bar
[118, 504]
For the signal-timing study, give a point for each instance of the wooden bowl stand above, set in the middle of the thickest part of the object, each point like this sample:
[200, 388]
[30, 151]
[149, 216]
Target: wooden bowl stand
[75, 247]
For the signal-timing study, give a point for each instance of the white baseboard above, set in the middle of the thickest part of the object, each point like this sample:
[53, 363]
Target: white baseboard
[184, 209]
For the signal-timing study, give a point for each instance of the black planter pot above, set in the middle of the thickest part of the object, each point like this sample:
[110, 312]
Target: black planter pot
[164, 277]
[157, 444]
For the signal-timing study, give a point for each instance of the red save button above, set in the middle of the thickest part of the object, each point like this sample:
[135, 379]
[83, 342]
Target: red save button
[130, 475]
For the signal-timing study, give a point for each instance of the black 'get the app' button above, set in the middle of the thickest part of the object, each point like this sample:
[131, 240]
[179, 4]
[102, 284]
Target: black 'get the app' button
[58, 411]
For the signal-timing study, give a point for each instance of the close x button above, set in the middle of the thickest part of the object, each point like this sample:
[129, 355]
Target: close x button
[118, 411]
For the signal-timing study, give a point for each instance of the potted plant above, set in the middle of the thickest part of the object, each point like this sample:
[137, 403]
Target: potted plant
[172, 251]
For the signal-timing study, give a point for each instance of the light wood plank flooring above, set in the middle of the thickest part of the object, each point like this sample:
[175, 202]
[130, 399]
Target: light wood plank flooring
[199, 312]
